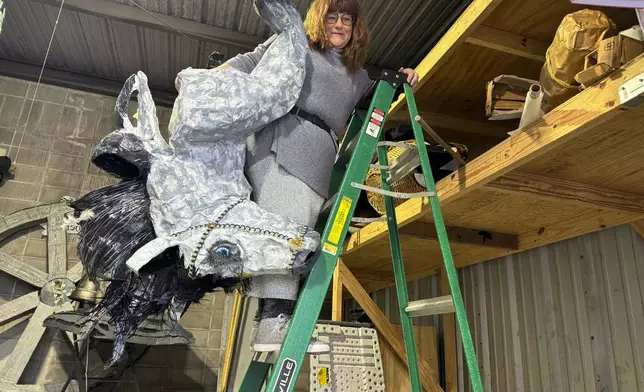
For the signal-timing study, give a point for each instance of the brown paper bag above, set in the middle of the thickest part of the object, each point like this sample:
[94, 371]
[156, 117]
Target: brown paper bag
[578, 34]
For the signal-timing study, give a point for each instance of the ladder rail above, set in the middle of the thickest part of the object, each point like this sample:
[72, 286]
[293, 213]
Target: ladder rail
[348, 144]
[400, 278]
[448, 259]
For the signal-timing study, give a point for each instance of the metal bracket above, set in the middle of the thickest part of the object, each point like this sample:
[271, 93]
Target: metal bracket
[630, 93]
[395, 79]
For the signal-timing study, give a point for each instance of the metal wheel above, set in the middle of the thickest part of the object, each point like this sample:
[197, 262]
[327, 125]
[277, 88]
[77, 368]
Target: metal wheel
[51, 295]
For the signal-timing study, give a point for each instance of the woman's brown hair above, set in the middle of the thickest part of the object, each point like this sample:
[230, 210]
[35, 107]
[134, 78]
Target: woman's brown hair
[354, 54]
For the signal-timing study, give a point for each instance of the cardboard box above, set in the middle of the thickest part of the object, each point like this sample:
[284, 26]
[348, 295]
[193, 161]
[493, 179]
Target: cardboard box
[611, 54]
[505, 97]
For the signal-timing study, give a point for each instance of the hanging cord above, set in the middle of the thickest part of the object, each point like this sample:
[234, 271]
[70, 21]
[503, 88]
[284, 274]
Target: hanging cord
[42, 69]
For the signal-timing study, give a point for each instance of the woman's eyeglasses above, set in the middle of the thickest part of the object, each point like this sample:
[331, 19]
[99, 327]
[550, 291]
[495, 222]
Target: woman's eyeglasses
[347, 19]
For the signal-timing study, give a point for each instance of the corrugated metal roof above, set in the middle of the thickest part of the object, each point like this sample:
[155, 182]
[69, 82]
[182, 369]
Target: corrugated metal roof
[237, 15]
[99, 46]
[402, 33]
[563, 317]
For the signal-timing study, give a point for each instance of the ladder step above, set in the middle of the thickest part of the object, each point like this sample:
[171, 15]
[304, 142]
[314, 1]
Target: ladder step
[368, 220]
[430, 306]
[396, 144]
[399, 195]
[407, 162]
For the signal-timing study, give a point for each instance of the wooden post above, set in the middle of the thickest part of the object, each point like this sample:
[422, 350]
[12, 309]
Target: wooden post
[336, 295]
[449, 342]
[230, 343]
[638, 226]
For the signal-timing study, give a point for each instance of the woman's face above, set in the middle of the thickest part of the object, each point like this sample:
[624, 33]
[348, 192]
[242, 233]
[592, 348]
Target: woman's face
[339, 26]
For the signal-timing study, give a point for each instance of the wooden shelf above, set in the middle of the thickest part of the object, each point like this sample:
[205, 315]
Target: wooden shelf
[577, 170]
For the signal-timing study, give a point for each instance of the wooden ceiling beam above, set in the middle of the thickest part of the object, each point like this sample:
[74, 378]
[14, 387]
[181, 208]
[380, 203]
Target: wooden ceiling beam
[462, 28]
[507, 42]
[591, 108]
[461, 235]
[158, 21]
[372, 276]
[568, 191]
[491, 129]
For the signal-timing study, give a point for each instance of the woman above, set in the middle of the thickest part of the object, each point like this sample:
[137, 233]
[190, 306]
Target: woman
[289, 165]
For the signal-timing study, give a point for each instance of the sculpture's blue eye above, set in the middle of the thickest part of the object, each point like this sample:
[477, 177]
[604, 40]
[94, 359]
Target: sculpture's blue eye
[223, 251]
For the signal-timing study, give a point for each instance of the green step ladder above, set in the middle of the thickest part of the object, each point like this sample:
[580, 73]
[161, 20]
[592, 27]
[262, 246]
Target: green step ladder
[363, 137]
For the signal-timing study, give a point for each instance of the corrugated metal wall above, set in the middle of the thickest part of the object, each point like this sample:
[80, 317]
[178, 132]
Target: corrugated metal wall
[564, 317]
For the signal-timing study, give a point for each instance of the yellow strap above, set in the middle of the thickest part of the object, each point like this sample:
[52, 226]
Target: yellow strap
[552, 74]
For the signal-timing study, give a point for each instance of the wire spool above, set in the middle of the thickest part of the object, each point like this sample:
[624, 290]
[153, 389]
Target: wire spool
[406, 185]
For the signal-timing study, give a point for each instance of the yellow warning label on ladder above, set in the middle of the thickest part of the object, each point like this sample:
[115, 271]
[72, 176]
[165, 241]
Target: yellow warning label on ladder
[340, 220]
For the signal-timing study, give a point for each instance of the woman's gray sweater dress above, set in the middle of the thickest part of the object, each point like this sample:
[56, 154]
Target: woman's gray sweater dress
[290, 167]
